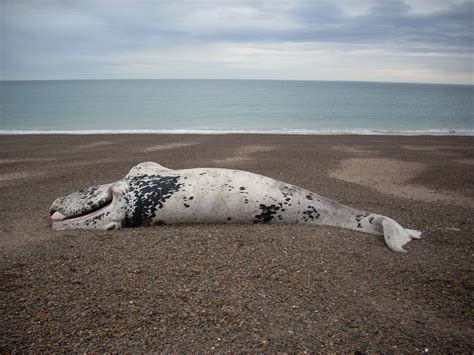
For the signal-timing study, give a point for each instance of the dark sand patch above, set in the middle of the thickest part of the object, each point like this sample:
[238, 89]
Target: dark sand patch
[255, 148]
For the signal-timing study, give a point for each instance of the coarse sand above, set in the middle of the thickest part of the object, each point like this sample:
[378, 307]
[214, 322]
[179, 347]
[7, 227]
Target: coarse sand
[240, 287]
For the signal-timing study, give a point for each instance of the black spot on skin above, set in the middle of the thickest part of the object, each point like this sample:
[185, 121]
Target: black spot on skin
[311, 213]
[92, 198]
[358, 219]
[186, 205]
[309, 197]
[229, 218]
[191, 197]
[202, 174]
[241, 188]
[98, 217]
[88, 192]
[371, 219]
[287, 194]
[151, 193]
[268, 213]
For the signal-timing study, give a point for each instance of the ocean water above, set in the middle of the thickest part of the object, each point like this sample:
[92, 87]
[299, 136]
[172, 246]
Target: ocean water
[221, 106]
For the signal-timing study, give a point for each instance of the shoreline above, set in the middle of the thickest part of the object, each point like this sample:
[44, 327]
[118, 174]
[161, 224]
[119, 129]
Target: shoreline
[296, 132]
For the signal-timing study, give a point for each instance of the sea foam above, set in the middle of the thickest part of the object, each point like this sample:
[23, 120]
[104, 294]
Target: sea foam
[432, 132]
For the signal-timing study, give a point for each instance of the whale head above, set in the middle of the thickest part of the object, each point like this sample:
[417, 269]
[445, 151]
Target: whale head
[95, 207]
[129, 202]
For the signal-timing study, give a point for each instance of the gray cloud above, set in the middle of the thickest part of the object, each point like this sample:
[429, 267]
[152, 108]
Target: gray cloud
[59, 39]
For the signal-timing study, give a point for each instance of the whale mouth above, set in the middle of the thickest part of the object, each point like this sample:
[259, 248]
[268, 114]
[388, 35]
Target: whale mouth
[58, 217]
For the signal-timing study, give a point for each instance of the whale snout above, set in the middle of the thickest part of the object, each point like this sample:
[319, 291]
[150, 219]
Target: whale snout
[57, 217]
[55, 206]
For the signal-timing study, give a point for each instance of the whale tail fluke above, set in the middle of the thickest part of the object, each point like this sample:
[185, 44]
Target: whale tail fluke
[414, 234]
[396, 236]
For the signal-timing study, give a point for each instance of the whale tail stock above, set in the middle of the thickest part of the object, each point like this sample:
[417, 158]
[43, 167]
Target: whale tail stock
[394, 234]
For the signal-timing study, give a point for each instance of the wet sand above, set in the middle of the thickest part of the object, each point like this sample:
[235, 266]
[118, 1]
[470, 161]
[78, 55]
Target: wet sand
[240, 287]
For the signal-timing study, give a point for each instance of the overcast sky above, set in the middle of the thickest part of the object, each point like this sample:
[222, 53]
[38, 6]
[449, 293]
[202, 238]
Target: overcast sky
[387, 40]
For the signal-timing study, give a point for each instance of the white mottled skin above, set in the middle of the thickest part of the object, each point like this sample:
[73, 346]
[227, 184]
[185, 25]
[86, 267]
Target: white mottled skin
[217, 197]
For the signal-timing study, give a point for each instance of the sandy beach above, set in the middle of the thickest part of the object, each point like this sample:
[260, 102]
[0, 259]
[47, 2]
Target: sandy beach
[240, 287]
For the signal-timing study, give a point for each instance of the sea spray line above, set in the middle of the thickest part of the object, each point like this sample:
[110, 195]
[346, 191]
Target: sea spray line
[431, 132]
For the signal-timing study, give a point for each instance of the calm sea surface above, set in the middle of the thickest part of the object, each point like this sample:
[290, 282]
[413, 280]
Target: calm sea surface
[208, 106]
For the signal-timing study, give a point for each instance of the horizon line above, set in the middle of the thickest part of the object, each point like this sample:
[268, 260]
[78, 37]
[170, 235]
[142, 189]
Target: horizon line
[233, 79]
